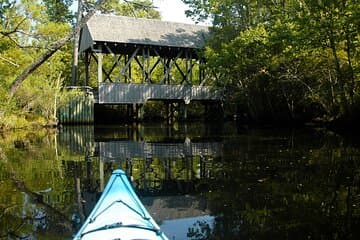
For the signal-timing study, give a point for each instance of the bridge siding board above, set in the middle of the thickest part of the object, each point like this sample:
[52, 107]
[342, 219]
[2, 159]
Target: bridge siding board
[128, 93]
[78, 110]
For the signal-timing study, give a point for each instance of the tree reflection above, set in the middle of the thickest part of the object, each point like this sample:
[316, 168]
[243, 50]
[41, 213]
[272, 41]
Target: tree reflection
[32, 188]
[263, 184]
[301, 192]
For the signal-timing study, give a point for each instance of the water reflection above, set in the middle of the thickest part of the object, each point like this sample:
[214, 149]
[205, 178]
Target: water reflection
[162, 161]
[198, 181]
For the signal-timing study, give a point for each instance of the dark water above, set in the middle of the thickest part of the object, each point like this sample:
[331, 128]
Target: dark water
[198, 181]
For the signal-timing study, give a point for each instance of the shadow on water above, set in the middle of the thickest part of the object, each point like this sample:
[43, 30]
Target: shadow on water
[198, 181]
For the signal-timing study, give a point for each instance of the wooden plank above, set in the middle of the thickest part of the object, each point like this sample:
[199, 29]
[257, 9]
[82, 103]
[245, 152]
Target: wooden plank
[128, 93]
[78, 111]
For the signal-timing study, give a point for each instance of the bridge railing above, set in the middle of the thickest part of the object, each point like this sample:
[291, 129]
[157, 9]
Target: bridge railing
[128, 93]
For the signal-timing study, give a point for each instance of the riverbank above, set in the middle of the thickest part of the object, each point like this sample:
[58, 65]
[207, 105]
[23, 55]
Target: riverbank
[10, 122]
[30, 121]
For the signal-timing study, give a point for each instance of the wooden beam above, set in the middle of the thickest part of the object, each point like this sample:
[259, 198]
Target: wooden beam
[128, 64]
[181, 72]
[168, 67]
[116, 63]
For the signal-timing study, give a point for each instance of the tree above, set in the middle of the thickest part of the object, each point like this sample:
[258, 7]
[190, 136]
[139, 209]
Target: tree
[134, 8]
[53, 48]
[59, 10]
[337, 29]
[285, 59]
[31, 34]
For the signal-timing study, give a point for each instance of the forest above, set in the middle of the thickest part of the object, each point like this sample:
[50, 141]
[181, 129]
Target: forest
[276, 61]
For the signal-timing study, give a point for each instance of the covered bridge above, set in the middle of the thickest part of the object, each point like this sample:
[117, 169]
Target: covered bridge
[151, 46]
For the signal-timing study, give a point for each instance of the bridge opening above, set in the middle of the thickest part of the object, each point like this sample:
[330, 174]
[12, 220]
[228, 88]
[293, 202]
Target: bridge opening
[164, 111]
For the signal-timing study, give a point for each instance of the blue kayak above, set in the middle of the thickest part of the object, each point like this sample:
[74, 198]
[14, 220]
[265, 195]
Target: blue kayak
[119, 214]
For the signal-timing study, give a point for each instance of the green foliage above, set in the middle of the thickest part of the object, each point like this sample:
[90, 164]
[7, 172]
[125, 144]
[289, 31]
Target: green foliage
[137, 8]
[27, 30]
[59, 10]
[285, 60]
[133, 8]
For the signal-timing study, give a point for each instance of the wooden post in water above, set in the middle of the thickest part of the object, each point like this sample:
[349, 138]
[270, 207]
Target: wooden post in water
[139, 111]
[183, 111]
[101, 169]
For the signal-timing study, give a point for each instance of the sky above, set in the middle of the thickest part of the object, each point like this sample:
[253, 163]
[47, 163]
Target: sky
[172, 10]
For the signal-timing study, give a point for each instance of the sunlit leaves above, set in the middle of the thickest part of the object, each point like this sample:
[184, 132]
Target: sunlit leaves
[131, 8]
[52, 31]
[309, 49]
[59, 10]
[26, 32]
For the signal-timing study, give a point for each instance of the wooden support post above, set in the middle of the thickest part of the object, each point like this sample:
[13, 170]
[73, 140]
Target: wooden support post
[191, 68]
[206, 110]
[183, 111]
[139, 111]
[129, 167]
[168, 112]
[148, 66]
[166, 76]
[187, 66]
[143, 66]
[87, 72]
[101, 174]
[128, 110]
[123, 71]
[202, 167]
[100, 72]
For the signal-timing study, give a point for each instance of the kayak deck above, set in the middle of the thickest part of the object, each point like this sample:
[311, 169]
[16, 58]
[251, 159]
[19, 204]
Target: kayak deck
[119, 214]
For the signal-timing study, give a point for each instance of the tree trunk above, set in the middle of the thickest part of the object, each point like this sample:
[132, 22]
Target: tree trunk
[350, 67]
[54, 48]
[74, 70]
[340, 76]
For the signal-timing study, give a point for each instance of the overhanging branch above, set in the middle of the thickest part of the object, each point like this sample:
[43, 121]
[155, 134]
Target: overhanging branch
[53, 48]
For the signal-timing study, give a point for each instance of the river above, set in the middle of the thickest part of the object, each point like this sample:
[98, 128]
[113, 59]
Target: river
[198, 181]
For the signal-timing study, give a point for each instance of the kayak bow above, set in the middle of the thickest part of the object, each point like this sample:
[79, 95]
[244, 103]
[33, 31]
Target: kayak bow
[119, 214]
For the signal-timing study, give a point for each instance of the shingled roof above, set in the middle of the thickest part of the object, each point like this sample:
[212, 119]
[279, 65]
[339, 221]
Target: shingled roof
[140, 31]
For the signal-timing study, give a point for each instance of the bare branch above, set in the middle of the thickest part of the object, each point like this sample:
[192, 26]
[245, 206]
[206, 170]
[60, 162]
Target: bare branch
[15, 30]
[23, 46]
[9, 61]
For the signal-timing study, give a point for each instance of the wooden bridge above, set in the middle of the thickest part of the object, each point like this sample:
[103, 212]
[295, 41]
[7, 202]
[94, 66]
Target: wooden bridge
[137, 60]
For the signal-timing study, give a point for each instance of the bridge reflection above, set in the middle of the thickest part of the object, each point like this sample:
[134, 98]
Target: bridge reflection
[142, 149]
[168, 166]
[160, 161]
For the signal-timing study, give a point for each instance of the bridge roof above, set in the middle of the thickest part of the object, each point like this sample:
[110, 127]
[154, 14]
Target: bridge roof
[122, 30]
